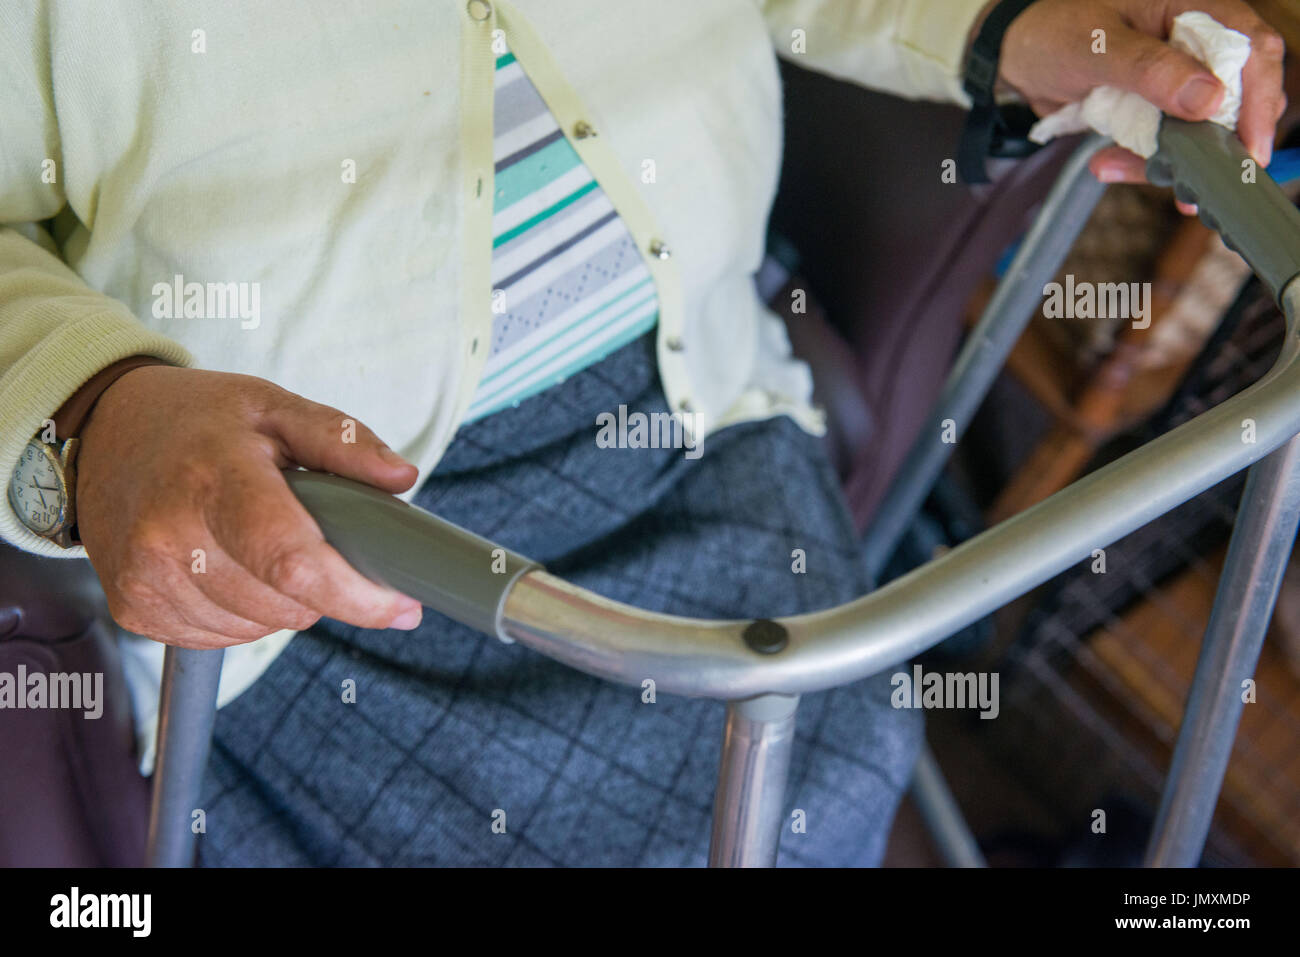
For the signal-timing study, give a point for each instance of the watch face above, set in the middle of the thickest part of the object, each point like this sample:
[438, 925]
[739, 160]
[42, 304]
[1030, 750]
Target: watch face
[36, 489]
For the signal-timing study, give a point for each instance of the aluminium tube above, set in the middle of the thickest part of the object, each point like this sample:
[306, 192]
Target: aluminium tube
[1258, 554]
[749, 801]
[187, 709]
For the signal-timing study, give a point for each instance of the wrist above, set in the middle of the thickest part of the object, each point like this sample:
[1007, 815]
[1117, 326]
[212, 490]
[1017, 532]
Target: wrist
[73, 423]
[72, 416]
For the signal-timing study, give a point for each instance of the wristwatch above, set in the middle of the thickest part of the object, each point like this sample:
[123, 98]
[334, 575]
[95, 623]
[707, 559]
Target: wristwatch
[43, 486]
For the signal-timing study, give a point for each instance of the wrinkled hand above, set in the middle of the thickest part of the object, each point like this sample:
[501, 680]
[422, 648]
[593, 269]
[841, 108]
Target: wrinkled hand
[1047, 57]
[173, 460]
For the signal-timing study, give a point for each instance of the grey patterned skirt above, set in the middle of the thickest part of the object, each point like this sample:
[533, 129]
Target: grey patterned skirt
[453, 732]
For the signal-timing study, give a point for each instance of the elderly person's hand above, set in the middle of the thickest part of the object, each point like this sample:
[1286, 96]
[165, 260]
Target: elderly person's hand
[176, 460]
[1047, 58]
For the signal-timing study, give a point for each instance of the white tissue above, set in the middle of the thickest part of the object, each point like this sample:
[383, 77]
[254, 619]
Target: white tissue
[1134, 123]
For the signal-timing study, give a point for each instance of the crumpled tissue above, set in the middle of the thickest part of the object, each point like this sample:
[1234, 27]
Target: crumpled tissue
[1132, 121]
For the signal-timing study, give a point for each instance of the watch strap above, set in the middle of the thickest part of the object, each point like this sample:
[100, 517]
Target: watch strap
[985, 127]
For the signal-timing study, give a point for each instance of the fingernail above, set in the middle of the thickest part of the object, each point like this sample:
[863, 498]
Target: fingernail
[391, 457]
[1197, 95]
[1110, 174]
[408, 619]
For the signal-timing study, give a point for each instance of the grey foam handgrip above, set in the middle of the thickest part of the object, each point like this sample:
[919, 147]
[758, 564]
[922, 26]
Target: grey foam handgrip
[442, 565]
[1207, 165]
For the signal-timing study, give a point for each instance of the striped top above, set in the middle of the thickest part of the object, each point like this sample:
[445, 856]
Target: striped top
[569, 285]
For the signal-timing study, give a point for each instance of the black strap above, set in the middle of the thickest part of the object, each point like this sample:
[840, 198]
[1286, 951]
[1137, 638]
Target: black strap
[991, 131]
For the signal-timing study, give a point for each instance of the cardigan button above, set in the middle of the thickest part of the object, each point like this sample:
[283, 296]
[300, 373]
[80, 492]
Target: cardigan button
[479, 10]
[659, 249]
[583, 130]
[675, 344]
[684, 405]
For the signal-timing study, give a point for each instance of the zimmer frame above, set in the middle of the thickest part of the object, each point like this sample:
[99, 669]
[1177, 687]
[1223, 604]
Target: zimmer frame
[760, 668]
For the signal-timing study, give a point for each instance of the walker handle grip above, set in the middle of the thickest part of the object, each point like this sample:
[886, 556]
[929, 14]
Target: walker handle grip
[1207, 165]
[442, 565]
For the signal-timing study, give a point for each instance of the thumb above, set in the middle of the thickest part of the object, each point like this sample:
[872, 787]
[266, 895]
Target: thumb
[318, 437]
[1177, 83]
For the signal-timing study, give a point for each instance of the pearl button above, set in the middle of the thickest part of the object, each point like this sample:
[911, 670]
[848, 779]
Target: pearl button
[675, 344]
[479, 10]
[582, 130]
[659, 249]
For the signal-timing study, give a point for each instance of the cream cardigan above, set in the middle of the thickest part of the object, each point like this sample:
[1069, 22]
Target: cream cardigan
[333, 161]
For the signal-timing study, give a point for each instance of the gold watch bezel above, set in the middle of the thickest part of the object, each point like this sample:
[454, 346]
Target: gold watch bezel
[61, 458]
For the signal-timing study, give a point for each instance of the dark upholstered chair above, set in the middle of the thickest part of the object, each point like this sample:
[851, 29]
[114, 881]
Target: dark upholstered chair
[893, 254]
[70, 793]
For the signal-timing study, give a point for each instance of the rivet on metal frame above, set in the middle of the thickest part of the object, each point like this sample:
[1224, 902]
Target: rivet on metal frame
[765, 636]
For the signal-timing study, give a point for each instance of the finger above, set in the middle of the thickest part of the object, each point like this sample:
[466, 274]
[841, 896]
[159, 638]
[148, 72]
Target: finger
[1115, 164]
[201, 613]
[172, 593]
[178, 634]
[192, 638]
[318, 437]
[259, 522]
[1175, 82]
[229, 585]
[1262, 99]
[163, 615]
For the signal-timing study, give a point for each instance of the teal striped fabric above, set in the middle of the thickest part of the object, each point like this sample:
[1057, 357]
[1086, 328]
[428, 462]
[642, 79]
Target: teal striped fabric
[569, 285]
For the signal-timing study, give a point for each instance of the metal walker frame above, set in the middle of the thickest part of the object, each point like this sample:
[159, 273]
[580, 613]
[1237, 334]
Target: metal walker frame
[760, 668]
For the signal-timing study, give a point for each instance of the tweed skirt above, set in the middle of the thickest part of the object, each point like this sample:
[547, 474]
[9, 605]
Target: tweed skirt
[458, 749]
